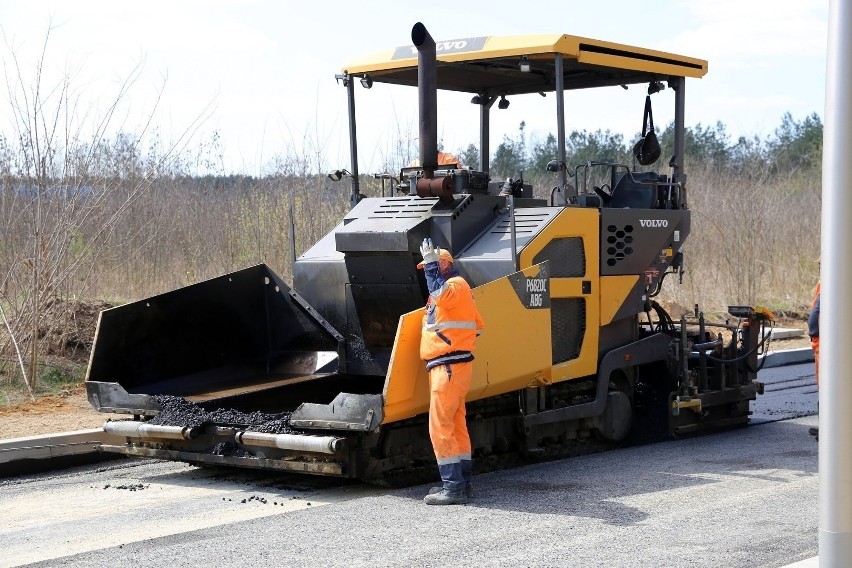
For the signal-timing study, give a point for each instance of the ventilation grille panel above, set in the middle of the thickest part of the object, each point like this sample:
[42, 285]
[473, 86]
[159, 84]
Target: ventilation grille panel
[567, 257]
[402, 208]
[567, 327]
[618, 244]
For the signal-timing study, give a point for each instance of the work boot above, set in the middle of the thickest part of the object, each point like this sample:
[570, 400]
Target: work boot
[444, 497]
[468, 490]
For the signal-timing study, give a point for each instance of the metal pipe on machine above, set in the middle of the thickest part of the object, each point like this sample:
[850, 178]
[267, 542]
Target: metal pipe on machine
[485, 102]
[427, 92]
[293, 442]
[135, 429]
[702, 355]
[513, 230]
[835, 451]
[560, 124]
[353, 143]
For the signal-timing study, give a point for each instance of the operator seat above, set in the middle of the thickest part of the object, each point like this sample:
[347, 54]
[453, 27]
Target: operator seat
[633, 193]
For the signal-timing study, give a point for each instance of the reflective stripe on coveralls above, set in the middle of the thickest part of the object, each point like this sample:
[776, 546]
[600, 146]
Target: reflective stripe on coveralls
[450, 325]
[451, 322]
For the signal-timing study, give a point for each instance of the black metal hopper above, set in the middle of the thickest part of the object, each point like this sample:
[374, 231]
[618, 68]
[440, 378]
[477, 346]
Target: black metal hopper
[245, 337]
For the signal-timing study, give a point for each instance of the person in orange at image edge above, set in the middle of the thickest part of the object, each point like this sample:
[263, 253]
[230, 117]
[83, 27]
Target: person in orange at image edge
[813, 332]
[451, 324]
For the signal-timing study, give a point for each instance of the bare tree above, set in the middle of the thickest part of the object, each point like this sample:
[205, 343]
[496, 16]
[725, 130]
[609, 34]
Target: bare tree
[70, 176]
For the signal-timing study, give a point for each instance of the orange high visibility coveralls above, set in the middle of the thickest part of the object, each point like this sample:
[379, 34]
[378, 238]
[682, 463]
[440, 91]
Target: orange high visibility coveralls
[447, 159]
[450, 326]
[444, 159]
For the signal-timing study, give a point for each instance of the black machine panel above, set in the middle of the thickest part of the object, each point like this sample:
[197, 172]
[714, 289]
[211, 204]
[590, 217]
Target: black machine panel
[634, 241]
[567, 327]
[383, 287]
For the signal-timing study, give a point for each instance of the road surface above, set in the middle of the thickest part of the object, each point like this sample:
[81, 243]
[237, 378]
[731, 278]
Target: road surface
[746, 497]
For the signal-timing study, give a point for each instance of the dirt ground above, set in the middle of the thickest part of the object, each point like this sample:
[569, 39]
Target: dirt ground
[67, 330]
[49, 414]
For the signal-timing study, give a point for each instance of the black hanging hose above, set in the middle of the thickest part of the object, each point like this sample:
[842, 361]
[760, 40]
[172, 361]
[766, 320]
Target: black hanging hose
[749, 353]
[664, 322]
[659, 287]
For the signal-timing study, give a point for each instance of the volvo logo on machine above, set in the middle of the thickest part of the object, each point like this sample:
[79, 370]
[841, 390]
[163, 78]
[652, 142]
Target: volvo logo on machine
[648, 223]
[450, 46]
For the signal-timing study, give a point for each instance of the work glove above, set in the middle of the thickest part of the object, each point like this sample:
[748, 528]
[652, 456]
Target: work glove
[429, 252]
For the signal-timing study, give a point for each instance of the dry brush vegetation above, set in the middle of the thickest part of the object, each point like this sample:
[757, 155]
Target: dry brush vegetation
[753, 241]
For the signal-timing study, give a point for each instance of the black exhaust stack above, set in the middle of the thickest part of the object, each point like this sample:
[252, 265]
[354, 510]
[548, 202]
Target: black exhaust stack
[427, 82]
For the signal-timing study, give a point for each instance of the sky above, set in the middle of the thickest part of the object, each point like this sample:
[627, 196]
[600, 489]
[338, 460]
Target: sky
[257, 76]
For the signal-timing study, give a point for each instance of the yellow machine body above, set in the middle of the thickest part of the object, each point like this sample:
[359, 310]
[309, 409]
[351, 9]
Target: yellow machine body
[497, 368]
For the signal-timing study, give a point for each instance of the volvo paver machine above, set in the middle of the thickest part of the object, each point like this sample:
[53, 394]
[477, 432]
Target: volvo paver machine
[324, 376]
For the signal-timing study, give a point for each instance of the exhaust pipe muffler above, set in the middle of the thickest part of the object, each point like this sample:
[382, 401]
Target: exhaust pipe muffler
[427, 91]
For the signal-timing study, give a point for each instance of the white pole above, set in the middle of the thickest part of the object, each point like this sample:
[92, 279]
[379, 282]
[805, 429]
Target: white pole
[835, 440]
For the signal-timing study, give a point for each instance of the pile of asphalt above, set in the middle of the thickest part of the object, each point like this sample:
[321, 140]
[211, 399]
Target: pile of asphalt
[131, 487]
[177, 411]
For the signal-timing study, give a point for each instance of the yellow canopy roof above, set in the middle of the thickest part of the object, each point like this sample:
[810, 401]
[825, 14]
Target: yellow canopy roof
[491, 64]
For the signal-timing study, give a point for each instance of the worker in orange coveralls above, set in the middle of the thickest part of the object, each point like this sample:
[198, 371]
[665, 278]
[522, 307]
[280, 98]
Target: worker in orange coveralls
[450, 327]
[444, 159]
[447, 159]
[813, 332]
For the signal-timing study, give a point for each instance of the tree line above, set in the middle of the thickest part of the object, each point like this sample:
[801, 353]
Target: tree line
[794, 146]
